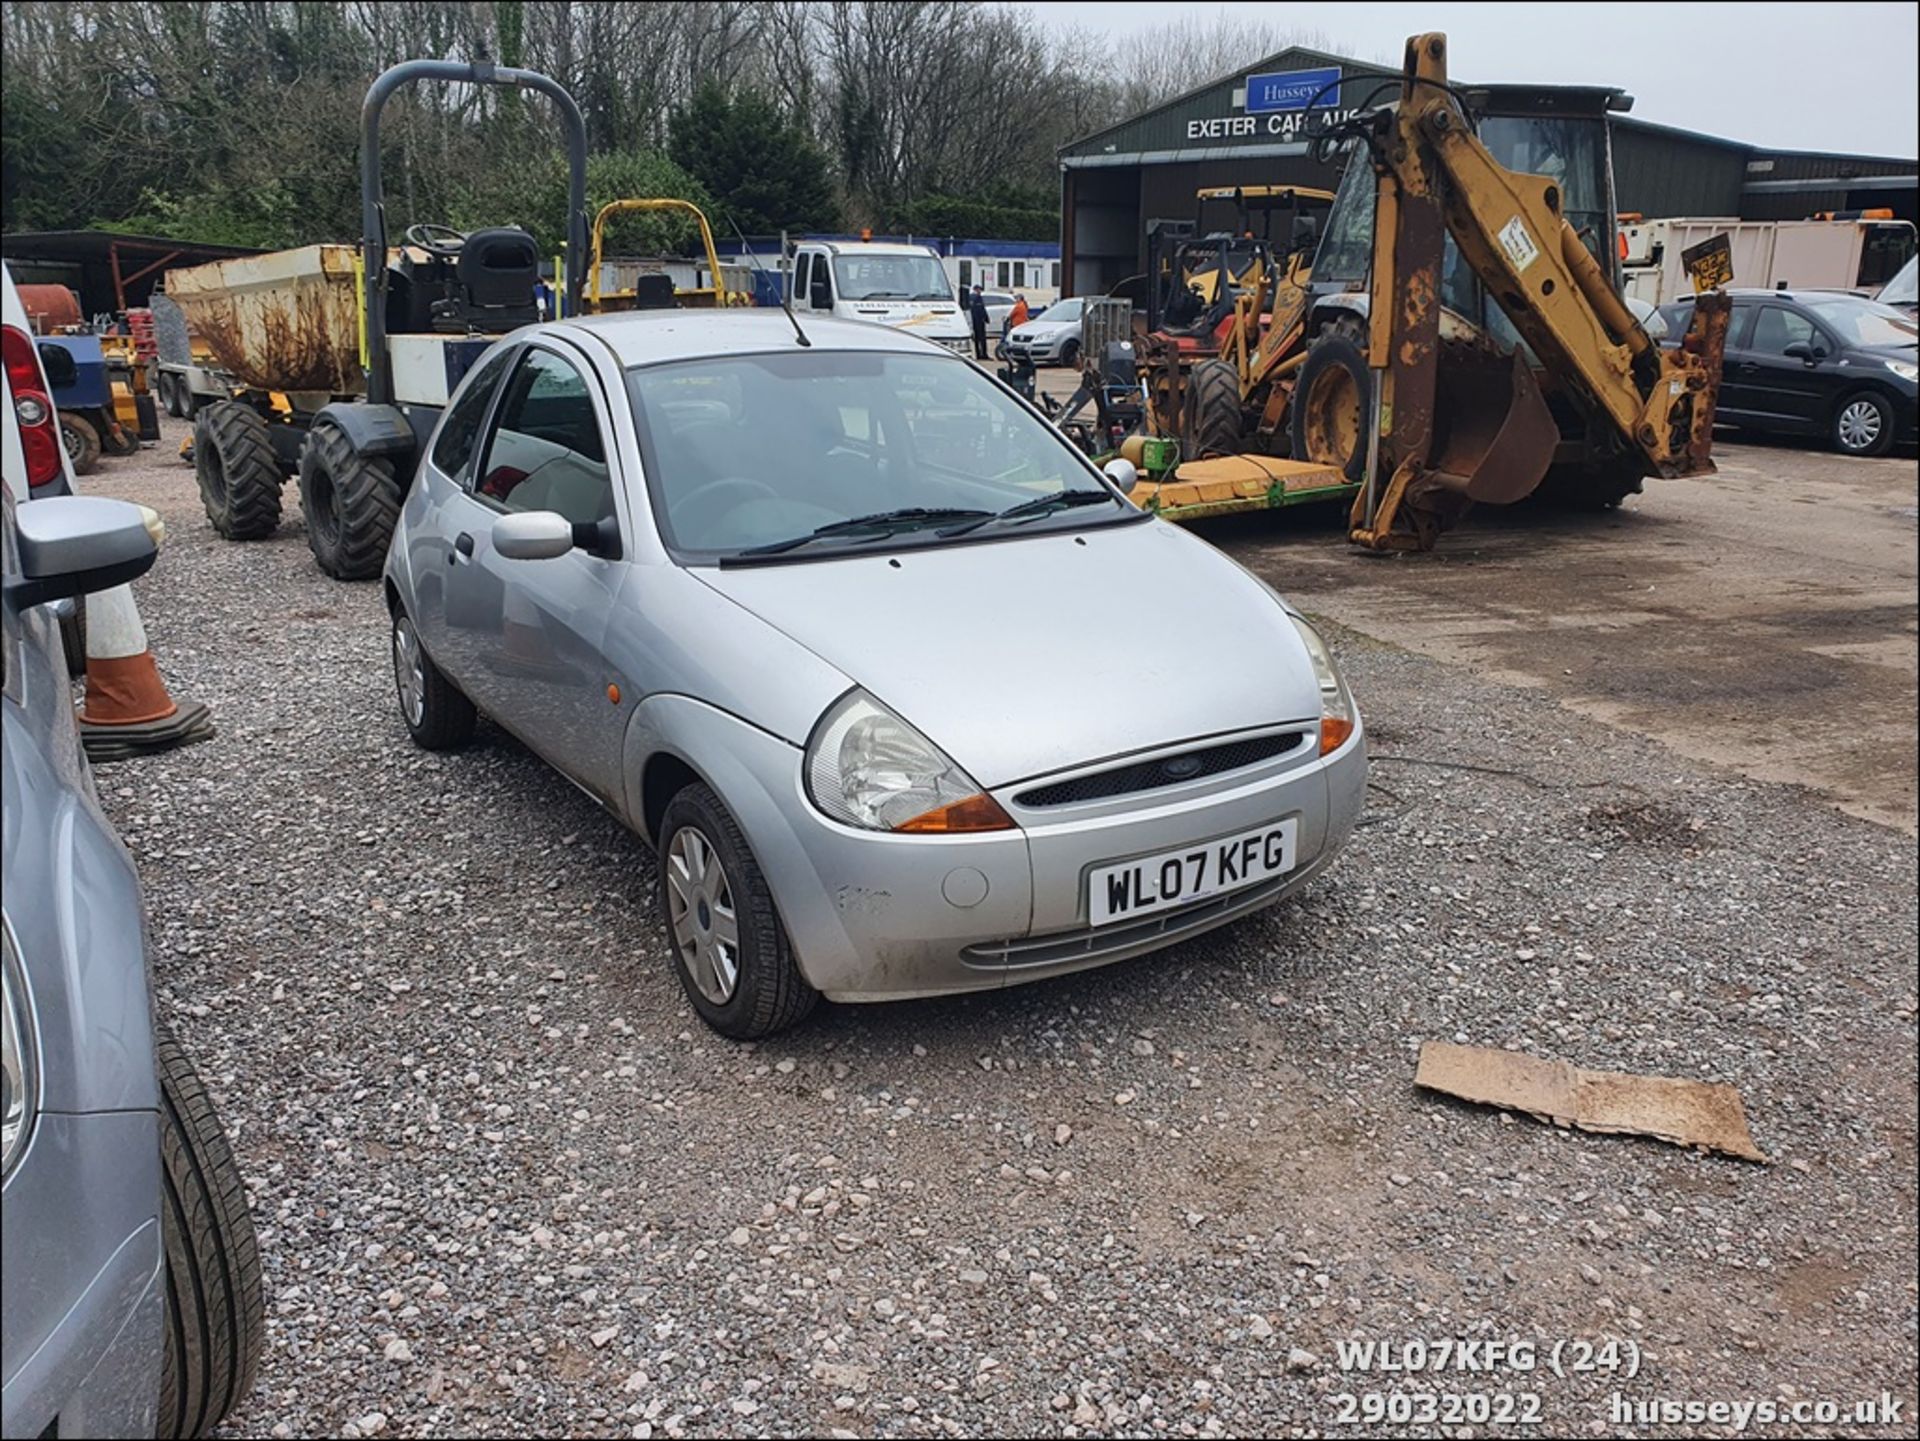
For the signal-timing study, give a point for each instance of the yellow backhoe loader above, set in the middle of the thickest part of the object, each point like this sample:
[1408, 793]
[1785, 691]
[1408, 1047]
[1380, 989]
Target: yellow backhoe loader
[1462, 372]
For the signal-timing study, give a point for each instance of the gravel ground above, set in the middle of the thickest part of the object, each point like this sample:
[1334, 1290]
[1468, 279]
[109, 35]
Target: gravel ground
[507, 1184]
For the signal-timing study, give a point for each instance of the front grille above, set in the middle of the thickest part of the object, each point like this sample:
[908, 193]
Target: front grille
[1161, 771]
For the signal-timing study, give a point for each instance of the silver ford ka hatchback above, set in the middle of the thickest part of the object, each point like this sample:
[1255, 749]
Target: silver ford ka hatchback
[908, 698]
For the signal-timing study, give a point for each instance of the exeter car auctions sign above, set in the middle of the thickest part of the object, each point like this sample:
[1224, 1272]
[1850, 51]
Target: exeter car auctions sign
[1276, 105]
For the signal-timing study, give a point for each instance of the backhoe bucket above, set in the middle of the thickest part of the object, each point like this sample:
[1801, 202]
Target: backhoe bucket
[1493, 434]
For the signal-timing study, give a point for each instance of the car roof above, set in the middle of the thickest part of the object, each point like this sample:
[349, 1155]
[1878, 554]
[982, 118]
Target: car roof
[647, 337]
[1802, 297]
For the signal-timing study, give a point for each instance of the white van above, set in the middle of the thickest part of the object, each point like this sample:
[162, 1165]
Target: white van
[903, 286]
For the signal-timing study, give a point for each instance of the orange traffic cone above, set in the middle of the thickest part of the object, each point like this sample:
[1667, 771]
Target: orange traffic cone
[127, 710]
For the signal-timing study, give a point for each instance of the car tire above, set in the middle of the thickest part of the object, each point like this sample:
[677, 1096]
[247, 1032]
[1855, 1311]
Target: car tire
[1327, 422]
[239, 478]
[73, 637]
[81, 437]
[706, 870]
[215, 1312]
[1862, 424]
[351, 502]
[1070, 355]
[437, 715]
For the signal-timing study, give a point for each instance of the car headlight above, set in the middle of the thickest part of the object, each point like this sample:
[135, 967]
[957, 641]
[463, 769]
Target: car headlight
[1337, 718]
[1905, 369]
[869, 768]
[21, 1076]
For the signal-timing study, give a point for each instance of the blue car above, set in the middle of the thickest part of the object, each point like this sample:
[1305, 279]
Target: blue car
[130, 1289]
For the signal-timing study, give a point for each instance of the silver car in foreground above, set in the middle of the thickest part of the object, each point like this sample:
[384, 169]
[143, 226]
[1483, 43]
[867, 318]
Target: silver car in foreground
[908, 698]
[132, 1299]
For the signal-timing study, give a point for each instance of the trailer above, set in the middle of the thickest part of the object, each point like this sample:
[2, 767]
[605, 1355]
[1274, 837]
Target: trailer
[1841, 252]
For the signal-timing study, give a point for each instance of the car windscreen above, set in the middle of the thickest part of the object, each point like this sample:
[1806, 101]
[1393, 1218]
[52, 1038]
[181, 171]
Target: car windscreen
[1904, 288]
[1063, 310]
[756, 450]
[1863, 322]
[890, 277]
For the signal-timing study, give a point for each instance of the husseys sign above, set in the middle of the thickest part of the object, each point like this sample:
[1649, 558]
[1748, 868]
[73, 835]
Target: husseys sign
[1279, 106]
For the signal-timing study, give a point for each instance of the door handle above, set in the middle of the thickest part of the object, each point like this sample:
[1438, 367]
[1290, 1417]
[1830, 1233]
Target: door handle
[464, 544]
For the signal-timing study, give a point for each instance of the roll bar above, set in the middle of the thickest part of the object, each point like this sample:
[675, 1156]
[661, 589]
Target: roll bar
[373, 210]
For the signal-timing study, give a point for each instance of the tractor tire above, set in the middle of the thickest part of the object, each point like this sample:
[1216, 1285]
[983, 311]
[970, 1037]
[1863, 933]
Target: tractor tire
[239, 478]
[82, 439]
[1214, 425]
[215, 1311]
[1327, 421]
[352, 502]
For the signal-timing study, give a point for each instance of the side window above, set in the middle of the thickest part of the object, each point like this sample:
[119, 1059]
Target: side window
[454, 448]
[546, 451]
[1776, 327]
[802, 264]
[1739, 324]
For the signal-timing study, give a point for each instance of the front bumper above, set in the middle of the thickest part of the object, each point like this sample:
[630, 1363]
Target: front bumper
[1036, 352]
[875, 917]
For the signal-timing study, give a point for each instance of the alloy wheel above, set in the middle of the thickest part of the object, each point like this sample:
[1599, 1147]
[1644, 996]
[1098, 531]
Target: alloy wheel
[409, 670]
[706, 929]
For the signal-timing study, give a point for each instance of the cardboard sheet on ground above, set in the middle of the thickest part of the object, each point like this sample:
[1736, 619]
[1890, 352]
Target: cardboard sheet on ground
[1687, 1113]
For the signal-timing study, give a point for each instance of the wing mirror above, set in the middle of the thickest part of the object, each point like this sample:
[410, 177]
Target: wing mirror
[532, 535]
[1801, 350]
[76, 545]
[1123, 473]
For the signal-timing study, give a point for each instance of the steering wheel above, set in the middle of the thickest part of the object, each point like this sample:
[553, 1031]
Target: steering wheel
[706, 503]
[441, 240]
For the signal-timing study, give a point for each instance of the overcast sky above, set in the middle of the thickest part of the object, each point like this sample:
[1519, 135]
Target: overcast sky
[1801, 76]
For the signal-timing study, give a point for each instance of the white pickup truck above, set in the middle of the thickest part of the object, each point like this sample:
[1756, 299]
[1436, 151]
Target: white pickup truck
[902, 286]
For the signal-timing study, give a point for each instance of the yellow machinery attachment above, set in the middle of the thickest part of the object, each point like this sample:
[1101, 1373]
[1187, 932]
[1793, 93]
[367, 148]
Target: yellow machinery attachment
[699, 296]
[1455, 423]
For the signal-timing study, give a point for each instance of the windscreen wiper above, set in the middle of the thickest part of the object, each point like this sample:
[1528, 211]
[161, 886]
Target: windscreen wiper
[1029, 509]
[884, 522]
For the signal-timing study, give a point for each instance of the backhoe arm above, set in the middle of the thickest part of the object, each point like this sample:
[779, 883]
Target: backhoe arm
[1470, 424]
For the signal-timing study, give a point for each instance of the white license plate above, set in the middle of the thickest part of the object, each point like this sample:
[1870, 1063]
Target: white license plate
[1127, 889]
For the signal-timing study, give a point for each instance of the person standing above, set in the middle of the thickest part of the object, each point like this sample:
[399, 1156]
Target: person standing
[977, 309]
[1020, 314]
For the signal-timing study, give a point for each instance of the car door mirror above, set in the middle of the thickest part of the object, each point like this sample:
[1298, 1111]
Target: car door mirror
[1123, 473]
[76, 545]
[1802, 351]
[532, 535]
